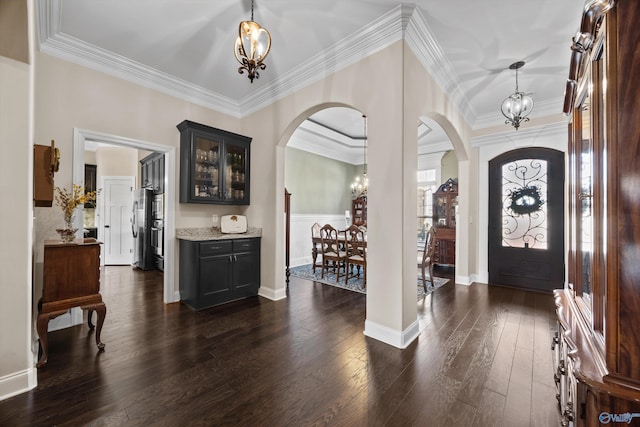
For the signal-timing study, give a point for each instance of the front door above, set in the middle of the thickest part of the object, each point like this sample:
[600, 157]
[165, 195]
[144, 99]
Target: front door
[116, 225]
[526, 221]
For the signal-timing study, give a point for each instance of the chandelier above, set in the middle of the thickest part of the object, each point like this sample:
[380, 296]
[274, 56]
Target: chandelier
[518, 105]
[359, 186]
[252, 47]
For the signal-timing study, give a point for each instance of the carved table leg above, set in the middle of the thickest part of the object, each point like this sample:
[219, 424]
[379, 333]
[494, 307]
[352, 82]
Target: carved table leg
[42, 324]
[101, 310]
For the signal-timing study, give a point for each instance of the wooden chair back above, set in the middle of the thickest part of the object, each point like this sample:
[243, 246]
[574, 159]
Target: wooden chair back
[356, 251]
[426, 262]
[331, 251]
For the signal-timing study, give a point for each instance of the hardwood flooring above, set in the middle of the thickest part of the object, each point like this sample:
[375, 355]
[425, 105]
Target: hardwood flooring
[483, 358]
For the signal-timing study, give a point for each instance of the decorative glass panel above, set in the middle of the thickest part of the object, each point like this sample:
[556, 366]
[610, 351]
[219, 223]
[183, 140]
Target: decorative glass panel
[585, 207]
[524, 209]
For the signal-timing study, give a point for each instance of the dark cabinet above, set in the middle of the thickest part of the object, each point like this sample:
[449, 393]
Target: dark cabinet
[445, 201]
[152, 172]
[90, 183]
[214, 165]
[213, 272]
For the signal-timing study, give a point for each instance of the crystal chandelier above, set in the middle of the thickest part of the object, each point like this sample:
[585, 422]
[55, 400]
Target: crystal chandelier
[252, 47]
[518, 105]
[359, 186]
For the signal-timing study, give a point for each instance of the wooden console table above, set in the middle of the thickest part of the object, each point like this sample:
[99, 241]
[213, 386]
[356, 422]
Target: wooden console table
[71, 279]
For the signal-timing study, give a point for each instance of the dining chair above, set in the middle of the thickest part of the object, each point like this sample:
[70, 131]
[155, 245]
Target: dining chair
[331, 250]
[356, 252]
[315, 243]
[425, 260]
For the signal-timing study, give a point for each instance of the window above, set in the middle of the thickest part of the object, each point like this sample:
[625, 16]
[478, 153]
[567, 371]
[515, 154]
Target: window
[426, 187]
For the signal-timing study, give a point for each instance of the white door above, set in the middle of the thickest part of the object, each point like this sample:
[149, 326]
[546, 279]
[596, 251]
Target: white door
[116, 220]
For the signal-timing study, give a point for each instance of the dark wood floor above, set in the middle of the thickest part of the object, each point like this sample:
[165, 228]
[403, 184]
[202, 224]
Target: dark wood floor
[482, 359]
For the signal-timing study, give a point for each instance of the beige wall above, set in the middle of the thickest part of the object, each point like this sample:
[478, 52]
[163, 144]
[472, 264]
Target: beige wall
[318, 185]
[449, 169]
[17, 372]
[14, 42]
[117, 161]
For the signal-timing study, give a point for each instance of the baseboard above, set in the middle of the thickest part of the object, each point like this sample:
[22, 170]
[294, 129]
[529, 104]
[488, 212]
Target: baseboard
[18, 383]
[176, 297]
[463, 280]
[301, 261]
[272, 294]
[399, 339]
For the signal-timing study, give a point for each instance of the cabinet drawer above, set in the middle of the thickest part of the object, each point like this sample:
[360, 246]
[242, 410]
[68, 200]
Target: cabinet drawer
[215, 247]
[246, 245]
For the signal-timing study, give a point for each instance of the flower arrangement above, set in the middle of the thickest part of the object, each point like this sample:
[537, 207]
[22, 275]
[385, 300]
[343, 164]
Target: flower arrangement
[70, 200]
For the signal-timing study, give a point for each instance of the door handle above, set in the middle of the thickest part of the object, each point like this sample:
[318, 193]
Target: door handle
[106, 226]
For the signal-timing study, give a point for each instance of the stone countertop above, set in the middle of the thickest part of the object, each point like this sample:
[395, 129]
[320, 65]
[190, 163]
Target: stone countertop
[211, 233]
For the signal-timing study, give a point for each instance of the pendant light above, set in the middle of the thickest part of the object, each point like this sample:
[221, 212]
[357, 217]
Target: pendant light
[518, 105]
[252, 47]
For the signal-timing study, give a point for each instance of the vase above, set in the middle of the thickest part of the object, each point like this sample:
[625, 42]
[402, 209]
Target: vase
[67, 235]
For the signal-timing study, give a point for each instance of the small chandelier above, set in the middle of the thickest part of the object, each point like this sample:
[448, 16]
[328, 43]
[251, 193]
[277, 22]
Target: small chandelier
[252, 47]
[359, 186]
[518, 105]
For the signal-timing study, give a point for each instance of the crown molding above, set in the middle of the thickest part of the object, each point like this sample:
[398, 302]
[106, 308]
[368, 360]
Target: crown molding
[524, 136]
[368, 40]
[435, 147]
[421, 41]
[307, 138]
[61, 45]
[405, 21]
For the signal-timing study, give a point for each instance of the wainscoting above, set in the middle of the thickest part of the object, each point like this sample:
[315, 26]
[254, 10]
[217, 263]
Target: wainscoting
[301, 234]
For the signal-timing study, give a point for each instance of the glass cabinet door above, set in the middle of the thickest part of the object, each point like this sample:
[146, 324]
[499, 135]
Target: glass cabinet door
[583, 198]
[206, 164]
[214, 165]
[235, 180]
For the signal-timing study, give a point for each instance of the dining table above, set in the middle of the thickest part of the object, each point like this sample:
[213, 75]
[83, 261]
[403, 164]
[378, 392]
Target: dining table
[342, 239]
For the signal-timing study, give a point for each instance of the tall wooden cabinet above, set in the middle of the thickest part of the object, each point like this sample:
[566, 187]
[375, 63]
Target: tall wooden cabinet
[359, 211]
[597, 345]
[445, 201]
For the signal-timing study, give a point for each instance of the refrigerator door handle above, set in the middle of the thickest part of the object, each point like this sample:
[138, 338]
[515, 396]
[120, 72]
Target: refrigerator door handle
[133, 219]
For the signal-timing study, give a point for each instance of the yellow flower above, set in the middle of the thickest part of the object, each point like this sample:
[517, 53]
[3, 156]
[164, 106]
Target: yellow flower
[70, 200]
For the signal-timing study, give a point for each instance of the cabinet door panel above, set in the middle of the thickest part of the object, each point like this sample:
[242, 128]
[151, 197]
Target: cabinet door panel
[215, 279]
[246, 273]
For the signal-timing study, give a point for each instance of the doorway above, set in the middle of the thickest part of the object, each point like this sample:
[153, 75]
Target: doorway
[526, 221]
[115, 229]
[80, 136]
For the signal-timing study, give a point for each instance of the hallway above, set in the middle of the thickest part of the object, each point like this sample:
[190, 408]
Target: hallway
[483, 358]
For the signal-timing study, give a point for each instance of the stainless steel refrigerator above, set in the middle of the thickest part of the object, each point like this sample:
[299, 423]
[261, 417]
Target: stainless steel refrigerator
[141, 222]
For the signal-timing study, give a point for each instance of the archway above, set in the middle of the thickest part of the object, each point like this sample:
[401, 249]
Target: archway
[322, 157]
[436, 134]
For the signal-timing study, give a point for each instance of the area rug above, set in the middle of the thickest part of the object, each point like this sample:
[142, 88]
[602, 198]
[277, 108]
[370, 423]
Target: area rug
[355, 283]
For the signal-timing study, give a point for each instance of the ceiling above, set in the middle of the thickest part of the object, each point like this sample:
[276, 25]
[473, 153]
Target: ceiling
[185, 47]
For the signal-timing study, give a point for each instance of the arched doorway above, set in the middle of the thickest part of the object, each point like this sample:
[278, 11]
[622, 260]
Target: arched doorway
[526, 221]
[323, 157]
